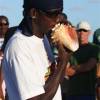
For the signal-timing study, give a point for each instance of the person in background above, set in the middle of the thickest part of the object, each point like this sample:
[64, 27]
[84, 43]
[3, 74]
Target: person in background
[26, 63]
[96, 37]
[96, 40]
[80, 76]
[4, 25]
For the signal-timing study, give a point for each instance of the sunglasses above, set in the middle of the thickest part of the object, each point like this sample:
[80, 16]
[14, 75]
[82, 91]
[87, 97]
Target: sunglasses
[82, 30]
[52, 13]
[3, 24]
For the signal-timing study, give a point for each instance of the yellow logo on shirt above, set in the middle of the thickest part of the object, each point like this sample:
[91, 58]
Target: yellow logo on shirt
[47, 73]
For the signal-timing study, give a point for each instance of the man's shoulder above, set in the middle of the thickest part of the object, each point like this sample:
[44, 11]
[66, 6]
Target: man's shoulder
[13, 28]
[11, 31]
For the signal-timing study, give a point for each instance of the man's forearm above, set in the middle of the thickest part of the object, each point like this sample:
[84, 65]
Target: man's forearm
[53, 81]
[87, 66]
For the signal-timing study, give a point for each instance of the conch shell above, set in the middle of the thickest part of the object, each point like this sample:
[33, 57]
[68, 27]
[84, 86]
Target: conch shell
[66, 35]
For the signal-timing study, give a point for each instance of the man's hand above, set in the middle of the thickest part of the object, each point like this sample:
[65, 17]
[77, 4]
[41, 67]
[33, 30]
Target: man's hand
[98, 70]
[69, 71]
[63, 54]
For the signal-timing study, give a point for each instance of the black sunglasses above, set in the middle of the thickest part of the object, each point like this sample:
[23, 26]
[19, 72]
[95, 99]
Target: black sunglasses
[52, 13]
[3, 24]
[80, 30]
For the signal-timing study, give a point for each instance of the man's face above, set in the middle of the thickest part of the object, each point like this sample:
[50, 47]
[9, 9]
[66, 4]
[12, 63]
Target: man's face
[3, 27]
[83, 36]
[50, 18]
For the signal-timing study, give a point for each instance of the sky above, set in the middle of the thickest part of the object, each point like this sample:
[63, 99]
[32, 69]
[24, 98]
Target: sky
[76, 10]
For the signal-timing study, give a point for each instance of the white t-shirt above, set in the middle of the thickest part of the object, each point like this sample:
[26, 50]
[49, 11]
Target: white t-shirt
[25, 64]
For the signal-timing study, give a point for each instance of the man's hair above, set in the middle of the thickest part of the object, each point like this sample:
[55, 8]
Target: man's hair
[5, 18]
[44, 5]
[96, 37]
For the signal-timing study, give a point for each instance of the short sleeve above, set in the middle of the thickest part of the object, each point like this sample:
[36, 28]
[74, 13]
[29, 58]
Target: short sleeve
[25, 70]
